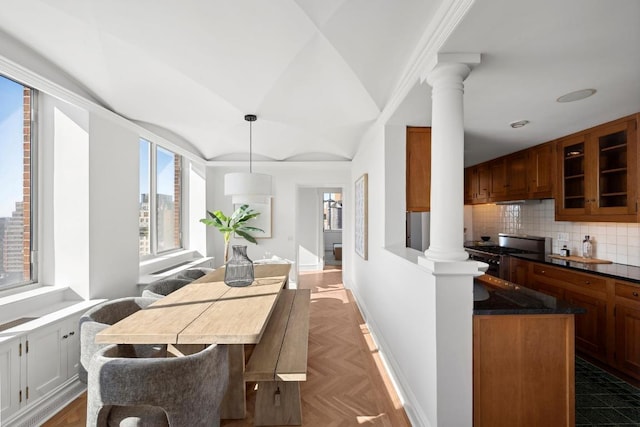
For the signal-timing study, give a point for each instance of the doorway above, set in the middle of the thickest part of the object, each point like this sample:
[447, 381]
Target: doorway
[332, 226]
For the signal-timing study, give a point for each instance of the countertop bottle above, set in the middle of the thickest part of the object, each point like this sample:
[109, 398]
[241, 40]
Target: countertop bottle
[587, 247]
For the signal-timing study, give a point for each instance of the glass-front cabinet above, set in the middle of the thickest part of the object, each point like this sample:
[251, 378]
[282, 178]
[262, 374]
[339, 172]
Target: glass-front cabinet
[598, 177]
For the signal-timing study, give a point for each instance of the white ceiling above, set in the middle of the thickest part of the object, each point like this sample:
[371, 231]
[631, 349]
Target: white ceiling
[319, 73]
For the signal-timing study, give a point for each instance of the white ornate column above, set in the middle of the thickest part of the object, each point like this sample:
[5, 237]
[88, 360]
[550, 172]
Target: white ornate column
[446, 259]
[447, 156]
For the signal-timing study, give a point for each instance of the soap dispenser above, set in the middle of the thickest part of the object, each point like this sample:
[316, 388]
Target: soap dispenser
[587, 247]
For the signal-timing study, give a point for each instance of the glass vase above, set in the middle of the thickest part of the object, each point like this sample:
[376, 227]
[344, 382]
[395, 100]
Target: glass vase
[239, 270]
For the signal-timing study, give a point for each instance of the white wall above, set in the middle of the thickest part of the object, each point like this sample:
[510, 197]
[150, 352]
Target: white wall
[114, 208]
[308, 228]
[89, 208]
[88, 201]
[410, 312]
[64, 195]
[287, 180]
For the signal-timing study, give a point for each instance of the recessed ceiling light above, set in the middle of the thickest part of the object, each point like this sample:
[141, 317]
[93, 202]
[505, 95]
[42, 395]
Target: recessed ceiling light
[519, 124]
[577, 95]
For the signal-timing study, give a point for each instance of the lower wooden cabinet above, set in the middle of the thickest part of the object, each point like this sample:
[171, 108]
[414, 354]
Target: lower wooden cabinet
[610, 329]
[627, 326]
[523, 370]
[591, 327]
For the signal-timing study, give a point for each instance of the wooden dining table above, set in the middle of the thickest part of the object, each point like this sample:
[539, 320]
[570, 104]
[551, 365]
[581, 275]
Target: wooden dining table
[207, 311]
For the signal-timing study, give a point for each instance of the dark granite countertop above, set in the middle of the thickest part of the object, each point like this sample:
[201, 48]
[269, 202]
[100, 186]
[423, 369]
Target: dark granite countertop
[508, 298]
[629, 273]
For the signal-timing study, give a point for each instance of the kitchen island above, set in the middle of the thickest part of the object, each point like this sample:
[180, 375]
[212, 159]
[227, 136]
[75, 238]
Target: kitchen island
[523, 357]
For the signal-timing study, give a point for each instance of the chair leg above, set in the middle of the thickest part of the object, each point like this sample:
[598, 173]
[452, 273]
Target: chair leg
[278, 403]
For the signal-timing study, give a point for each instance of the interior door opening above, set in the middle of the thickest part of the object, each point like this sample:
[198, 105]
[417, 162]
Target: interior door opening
[332, 227]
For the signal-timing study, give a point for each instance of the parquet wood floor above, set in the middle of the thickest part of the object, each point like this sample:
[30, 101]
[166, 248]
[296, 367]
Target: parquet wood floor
[346, 382]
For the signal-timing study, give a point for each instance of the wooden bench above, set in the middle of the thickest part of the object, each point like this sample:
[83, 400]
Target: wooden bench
[279, 361]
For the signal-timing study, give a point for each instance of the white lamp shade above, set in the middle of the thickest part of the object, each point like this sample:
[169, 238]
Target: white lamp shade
[247, 187]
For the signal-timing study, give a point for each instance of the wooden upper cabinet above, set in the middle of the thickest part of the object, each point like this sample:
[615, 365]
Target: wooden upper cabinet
[483, 177]
[597, 173]
[497, 180]
[477, 183]
[418, 169]
[541, 168]
[516, 175]
[469, 185]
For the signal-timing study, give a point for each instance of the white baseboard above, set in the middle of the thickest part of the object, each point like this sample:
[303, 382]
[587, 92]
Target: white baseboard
[36, 414]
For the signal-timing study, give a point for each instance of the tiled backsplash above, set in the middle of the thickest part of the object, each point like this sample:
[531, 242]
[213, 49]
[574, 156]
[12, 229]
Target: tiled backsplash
[616, 242]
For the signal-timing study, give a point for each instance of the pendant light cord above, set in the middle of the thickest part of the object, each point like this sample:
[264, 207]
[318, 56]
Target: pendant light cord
[250, 146]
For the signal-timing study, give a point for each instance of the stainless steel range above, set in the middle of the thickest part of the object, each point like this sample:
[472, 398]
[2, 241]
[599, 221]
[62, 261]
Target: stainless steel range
[497, 256]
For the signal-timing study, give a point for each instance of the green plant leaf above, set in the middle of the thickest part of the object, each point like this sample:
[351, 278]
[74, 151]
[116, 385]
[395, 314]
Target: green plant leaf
[236, 223]
[247, 236]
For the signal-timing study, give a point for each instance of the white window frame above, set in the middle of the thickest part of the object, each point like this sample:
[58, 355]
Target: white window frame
[153, 221]
[33, 177]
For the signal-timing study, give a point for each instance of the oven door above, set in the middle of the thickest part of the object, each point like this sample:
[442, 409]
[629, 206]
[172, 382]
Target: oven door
[492, 260]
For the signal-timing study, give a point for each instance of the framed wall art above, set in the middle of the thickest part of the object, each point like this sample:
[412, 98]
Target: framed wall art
[361, 216]
[262, 221]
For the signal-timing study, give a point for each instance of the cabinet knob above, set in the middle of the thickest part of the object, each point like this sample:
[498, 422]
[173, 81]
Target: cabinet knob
[64, 337]
[586, 282]
[635, 294]
[71, 333]
[542, 272]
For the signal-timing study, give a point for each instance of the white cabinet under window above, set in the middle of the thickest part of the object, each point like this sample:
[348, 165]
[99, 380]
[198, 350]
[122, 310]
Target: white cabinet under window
[37, 363]
[49, 350]
[10, 368]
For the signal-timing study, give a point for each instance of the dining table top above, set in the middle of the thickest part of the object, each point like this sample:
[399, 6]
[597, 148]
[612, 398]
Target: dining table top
[206, 311]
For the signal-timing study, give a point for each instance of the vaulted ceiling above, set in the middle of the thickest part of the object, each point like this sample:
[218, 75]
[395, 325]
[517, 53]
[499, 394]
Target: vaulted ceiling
[319, 73]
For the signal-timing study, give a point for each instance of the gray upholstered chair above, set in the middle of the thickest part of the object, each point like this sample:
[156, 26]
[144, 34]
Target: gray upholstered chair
[194, 273]
[184, 391]
[164, 287]
[100, 317]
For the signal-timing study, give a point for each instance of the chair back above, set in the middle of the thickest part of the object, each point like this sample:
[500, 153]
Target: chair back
[99, 318]
[189, 389]
[164, 287]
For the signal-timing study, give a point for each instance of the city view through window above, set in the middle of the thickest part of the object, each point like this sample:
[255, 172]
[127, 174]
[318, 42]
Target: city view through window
[15, 183]
[159, 224]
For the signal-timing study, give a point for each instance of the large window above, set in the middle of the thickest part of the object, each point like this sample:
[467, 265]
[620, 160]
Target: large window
[16, 177]
[332, 210]
[160, 199]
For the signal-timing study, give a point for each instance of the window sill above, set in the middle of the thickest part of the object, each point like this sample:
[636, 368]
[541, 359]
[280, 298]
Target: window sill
[40, 305]
[165, 261]
[408, 254]
[171, 265]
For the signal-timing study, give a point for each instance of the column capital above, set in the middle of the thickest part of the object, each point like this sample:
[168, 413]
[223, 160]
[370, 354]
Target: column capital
[457, 65]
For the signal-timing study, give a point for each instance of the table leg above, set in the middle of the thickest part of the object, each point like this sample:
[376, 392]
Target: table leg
[234, 403]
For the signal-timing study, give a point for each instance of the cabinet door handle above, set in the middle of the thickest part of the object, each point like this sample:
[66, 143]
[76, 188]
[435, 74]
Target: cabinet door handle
[64, 337]
[71, 333]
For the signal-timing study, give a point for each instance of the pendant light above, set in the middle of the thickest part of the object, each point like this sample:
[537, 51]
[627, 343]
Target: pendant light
[247, 188]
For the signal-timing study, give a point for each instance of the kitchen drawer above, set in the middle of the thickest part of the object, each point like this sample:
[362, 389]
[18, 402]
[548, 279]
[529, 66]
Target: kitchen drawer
[571, 277]
[628, 291]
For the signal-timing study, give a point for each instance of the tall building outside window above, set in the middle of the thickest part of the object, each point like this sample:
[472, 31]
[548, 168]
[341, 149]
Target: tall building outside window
[17, 213]
[160, 200]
